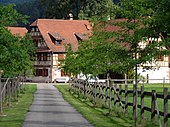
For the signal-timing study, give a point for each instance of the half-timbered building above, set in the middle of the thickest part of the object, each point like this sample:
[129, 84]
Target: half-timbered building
[51, 36]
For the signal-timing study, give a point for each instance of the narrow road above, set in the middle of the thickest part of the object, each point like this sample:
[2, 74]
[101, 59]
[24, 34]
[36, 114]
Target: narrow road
[49, 109]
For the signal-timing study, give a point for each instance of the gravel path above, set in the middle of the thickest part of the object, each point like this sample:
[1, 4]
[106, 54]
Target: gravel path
[49, 109]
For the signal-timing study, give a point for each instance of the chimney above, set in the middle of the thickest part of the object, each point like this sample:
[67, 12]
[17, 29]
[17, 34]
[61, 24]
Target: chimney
[108, 17]
[70, 16]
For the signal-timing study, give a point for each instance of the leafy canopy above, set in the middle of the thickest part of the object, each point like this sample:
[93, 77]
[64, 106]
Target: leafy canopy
[105, 50]
[15, 52]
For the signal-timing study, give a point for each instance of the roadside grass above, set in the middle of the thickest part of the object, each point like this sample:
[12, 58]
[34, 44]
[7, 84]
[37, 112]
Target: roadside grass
[99, 117]
[117, 114]
[14, 115]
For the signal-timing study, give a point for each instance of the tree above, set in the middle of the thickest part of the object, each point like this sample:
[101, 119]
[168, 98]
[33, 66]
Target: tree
[60, 9]
[9, 16]
[15, 52]
[98, 9]
[81, 9]
[103, 51]
[135, 29]
[159, 20]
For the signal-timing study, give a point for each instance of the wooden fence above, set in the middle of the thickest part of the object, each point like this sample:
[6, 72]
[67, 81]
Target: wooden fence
[10, 89]
[114, 94]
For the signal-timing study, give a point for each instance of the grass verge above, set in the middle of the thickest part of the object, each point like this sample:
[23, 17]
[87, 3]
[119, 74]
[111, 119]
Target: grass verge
[97, 116]
[15, 114]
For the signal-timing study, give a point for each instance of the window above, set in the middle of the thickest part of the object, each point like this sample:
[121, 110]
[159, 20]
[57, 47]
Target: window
[60, 56]
[45, 57]
[56, 38]
[57, 42]
[38, 72]
[62, 72]
[45, 72]
[41, 72]
[33, 29]
[39, 57]
[160, 58]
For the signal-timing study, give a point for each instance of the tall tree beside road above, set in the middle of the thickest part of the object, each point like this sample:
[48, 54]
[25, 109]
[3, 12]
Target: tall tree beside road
[137, 28]
[142, 19]
[15, 52]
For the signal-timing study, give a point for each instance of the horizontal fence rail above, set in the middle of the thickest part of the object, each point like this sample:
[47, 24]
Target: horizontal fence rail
[113, 94]
[10, 89]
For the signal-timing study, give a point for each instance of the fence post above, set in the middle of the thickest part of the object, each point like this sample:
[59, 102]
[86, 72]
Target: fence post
[84, 83]
[126, 98]
[165, 107]
[106, 91]
[153, 108]
[9, 93]
[18, 86]
[120, 94]
[115, 97]
[15, 89]
[163, 82]
[79, 83]
[135, 108]
[110, 96]
[103, 97]
[0, 94]
[147, 78]
[94, 93]
[142, 102]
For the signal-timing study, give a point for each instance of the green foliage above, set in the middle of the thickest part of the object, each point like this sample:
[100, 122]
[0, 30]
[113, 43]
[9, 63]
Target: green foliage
[134, 28]
[98, 9]
[81, 9]
[159, 20]
[69, 64]
[59, 9]
[97, 55]
[15, 52]
[9, 16]
[119, 50]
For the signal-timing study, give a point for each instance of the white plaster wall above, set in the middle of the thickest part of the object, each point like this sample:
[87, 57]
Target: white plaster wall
[56, 73]
[156, 75]
[55, 59]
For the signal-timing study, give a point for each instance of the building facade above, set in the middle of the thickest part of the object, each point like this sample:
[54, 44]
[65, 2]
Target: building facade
[50, 37]
[157, 71]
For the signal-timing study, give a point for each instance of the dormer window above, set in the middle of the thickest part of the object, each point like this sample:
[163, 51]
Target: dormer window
[80, 36]
[57, 42]
[56, 38]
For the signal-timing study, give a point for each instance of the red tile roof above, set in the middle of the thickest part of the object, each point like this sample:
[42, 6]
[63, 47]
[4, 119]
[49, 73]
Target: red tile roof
[65, 29]
[19, 31]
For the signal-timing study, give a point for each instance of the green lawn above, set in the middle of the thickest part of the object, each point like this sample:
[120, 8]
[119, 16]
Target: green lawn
[86, 108]
[99, 117]
[147, 101]
[16, 113]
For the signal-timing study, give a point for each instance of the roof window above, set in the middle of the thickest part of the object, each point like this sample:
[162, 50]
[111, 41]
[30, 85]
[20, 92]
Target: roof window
[56, 38]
